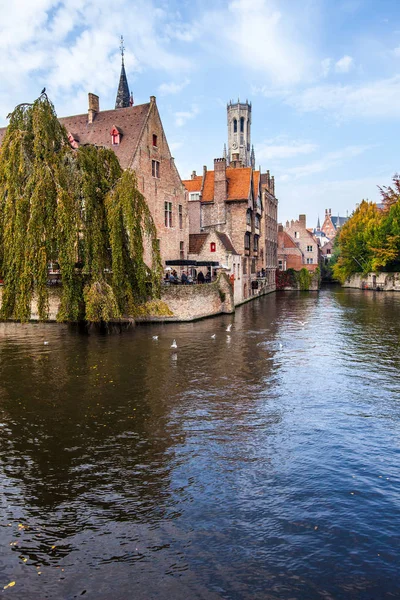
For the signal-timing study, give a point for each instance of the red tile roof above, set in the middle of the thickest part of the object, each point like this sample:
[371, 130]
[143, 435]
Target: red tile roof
[129, 121]
[193, 185]
[238, 184]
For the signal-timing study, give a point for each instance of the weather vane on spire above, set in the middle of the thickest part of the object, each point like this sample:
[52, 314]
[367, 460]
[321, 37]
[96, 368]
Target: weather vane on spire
[122, 48]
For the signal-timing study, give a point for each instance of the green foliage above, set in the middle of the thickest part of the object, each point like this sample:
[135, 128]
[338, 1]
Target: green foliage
[304, 278]
[370, 240]
[74, 207]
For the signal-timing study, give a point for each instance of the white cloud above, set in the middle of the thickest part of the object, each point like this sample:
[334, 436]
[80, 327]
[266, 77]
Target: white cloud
[344, 65]
[396, 51]
[326, 162]
[281, 149]
[72, 45]
[172, 88]
[376, 99]
[256, 34]
[181, 117]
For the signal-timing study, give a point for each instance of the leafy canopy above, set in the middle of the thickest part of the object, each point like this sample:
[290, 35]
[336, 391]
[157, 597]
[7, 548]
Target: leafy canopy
[76, 208]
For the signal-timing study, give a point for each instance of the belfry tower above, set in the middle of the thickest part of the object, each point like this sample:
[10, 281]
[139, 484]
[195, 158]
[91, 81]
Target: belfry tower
[124, 99]
[239, 133]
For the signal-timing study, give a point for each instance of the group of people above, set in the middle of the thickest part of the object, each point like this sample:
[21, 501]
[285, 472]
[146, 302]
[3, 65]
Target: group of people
[186, 279]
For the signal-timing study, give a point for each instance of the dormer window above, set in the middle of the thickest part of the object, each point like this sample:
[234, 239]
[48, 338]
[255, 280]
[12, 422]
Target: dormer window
[154, 140]
[115, 136]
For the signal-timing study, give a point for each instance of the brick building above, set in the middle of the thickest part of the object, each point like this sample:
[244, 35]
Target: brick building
[304, 240]
[332, 224]
[289, 254]
[136, 135]
[238, 201]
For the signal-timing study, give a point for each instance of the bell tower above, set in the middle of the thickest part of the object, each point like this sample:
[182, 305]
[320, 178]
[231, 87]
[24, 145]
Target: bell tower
[239, 132]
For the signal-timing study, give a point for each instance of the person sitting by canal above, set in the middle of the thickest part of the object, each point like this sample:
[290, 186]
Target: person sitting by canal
[200, 277]
[171, 278]
[184, 278]
[208, 277]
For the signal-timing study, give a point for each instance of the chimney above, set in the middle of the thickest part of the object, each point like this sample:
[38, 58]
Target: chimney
[204, 172]
[193, 174]
[302, 220]
[280, 227]
[330, 212]
[152, 99]
[326, 212]
[94, 107]
[220, 190]
[273, 185]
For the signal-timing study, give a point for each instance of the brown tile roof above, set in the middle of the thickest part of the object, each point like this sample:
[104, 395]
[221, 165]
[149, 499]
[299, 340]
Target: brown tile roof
[285, 240]
[193, 185]
[238, 184]
[226, 242]
[208, 189]
[256, 181]
[196, 242]
[129, 121]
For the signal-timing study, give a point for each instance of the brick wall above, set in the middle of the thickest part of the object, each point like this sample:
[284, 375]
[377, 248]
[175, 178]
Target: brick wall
[165, 188]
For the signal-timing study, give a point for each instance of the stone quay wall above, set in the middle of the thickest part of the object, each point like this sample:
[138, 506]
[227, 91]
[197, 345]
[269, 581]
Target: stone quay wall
[186, 302]
[190, 302]
[387, 282]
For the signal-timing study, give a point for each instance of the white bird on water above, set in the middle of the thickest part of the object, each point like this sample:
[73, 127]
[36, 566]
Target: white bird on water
[229, 327]
[213, 336]
[228, 339]
[174, 344]
[155, 337]
[46, 343]
[302, 323]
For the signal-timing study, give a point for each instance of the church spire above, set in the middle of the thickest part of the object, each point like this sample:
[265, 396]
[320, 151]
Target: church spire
[252, 158]
[318, 224]
[123, 95]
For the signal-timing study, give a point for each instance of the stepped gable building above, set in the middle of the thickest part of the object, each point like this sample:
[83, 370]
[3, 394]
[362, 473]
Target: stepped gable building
[303, 239]
[136, 135]
[289, 254]
[332, 224]
[235, 205]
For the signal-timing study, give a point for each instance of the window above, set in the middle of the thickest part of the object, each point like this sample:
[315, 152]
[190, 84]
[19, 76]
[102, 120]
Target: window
[241, 124]
[245, 266]
[329, 251]
[296, 235]
[255, 243]
[310, 261]
[212, 247]
[280, 265]
[253, 265]
[154, 140]
[248, 217]
[181, 250]
[168, 214]
[234, 126]
[194, 196]
[309, 248]
[257, 221]
[155, 168]
[180, 215]
[247, 241]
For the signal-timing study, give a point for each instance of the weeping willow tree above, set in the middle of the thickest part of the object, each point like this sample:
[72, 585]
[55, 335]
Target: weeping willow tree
[76, 208]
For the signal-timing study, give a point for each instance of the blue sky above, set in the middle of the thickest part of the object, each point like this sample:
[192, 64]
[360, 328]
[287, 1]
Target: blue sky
[323, 77]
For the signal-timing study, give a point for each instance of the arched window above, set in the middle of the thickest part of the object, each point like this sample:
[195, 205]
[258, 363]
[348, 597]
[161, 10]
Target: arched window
[241, 124]
[234, 126]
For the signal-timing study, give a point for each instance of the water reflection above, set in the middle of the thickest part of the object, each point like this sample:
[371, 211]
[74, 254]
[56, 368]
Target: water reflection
[259, 465]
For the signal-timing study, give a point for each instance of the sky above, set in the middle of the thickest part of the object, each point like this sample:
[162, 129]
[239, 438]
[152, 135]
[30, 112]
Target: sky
[323, 77]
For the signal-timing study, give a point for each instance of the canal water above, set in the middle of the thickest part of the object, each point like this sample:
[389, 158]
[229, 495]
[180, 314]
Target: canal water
[259, 464]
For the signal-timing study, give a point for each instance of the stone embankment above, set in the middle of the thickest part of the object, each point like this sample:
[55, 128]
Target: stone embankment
[184, 302]
[384, 282]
